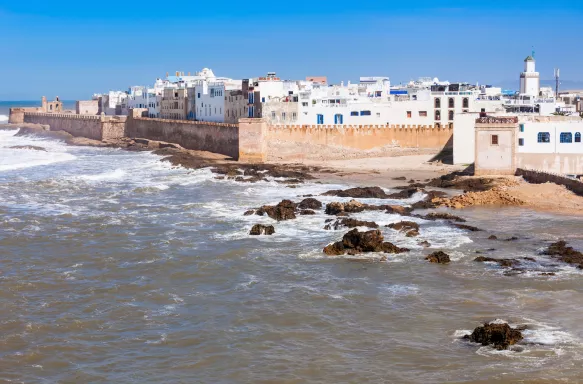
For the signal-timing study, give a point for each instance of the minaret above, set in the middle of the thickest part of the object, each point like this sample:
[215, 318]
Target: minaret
[529, 79]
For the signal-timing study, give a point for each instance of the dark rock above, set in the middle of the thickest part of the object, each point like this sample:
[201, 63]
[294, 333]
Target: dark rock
[500, 336]
[501, 262]
[404, 194]
[411, 181]
[285, 210]
[310, 203]
[492, 237]
[513, 238]
[305, 212]
[359, 192]
[438, 257]
[259, 229]
[529, 259]
[443, 216]
[404, 226]
[354, 206]
[249, 212]
[425, 244]
[403, 178]
[399, 210]
[560, 251]
[467, 227]
[427, 202]
[412, 233]
[352, 223]
[355, 242]
[547, 274]
[334, 208]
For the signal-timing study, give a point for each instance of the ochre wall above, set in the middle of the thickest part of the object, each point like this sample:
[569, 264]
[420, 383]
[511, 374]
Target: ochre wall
[91, 127]
[364, 137]
[202, 136]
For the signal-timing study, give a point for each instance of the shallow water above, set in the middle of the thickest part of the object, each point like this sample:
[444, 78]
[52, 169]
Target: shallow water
[118, 268]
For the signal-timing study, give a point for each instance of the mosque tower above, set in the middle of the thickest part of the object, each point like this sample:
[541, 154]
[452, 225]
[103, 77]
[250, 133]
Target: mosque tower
[529, 79]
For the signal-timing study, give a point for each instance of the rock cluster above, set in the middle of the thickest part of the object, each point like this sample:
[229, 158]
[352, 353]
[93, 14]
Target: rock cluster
[260, 229]
[494, 196]
[560, 251]
[411, 228]
[355, 242]
[354, 206]
[287, 209]
[350, 223]
[498, 335]
[438, 257]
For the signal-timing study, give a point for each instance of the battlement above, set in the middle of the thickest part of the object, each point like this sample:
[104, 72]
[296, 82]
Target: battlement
[362, 127]
[186, 122]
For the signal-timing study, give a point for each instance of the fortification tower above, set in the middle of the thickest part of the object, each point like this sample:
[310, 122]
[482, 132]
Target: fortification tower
[43, 104]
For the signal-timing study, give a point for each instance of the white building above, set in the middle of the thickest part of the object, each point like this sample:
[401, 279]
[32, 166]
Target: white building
[212, 97]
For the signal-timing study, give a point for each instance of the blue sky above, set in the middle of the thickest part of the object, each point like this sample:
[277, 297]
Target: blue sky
[74, 48]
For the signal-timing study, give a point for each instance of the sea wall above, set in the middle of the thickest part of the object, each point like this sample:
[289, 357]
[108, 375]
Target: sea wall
[202, 136]
[365, 137]
[92, 127]
[539, 177]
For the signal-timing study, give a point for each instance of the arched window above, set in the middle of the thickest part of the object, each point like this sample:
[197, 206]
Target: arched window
[566, 137]
[438, 115]
[437, 102]
[578, 137]
[451, 102]
[466, 103]
[450, 115]
[544, 137]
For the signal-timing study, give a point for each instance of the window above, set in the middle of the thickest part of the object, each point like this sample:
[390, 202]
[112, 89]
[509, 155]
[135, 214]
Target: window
[273, 115]
[409, 114]
[578, 137]
[422, 113]
[465, 103]
[451, 102]
[566, 137]
[354, 113]
[338, 119]
[304, 104]
[544, 137]
[364, 113]
[437, 102]
[450, 115]
[263, 99]
[494, 139]
[294, 116]
[283, 115]
[438, 115]
[320, 119]
[521, 142]
[521, 127]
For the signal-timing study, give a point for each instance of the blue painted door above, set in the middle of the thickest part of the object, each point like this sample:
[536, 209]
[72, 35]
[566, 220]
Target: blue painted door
[338, 119]
[320, 119]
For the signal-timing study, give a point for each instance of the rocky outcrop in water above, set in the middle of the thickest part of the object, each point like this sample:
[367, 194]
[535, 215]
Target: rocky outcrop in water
[260, 229]
[500, 262]
[467, 227]
[355, 242]
[443, 216]
[438, 257]
[285, 210]
[360, 192]
[310, 203]
[405, 193]
[499, 336]
[411, 228]
[350, 223]
[354, 206]
[562, 252]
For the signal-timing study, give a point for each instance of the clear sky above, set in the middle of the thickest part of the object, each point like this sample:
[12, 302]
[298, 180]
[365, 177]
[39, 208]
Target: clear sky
[76, 48]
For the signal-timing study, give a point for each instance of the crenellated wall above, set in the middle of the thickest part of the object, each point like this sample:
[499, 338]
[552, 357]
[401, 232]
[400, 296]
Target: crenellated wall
[91, 127]
[365, 137]
[202, 136]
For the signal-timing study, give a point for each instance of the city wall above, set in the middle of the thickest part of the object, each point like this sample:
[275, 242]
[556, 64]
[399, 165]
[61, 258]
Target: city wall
[247, 141]
[202, 136]
[365, 137]
[561, 163]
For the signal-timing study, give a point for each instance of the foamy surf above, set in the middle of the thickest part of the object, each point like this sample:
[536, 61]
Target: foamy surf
[3, 119]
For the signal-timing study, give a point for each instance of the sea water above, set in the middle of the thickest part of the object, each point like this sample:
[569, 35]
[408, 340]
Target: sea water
[117, 267]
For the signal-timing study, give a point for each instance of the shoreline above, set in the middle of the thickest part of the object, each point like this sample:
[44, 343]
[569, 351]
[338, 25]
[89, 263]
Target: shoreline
[387, 172]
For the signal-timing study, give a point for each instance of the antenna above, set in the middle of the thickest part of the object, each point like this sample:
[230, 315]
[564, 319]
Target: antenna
[532, 52]
[557, 74]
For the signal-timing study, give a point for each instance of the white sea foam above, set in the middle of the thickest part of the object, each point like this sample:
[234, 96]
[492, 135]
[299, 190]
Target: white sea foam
[3, 118]
[112, 175]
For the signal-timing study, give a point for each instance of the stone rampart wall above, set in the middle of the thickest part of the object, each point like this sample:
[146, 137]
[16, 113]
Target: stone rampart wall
[202, 136]
[89, 126]
[365, 137]
[560, 163]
